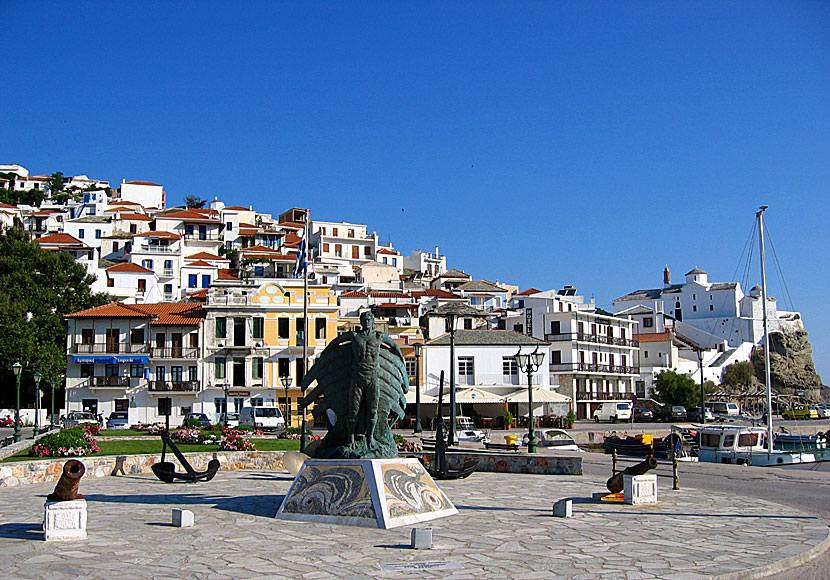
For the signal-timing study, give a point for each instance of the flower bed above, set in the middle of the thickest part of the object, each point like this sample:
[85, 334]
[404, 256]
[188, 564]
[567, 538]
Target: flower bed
[235, 440]
[74, 442]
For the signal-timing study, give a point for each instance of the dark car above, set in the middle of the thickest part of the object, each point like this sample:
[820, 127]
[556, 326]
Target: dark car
[674, 413]
[200, 417]
[693, 414]
[642, 414]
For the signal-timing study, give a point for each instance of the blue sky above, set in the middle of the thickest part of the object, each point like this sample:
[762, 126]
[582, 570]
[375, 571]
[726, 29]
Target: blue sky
[538, 144]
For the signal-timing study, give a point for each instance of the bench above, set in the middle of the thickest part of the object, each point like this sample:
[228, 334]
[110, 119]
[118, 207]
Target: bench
[502, 446]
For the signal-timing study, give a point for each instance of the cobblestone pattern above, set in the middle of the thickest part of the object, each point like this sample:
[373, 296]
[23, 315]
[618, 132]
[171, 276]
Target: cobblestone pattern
[504, 529]
[49, 470]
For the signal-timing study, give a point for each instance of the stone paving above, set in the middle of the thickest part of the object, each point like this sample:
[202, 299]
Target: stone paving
[504, 529]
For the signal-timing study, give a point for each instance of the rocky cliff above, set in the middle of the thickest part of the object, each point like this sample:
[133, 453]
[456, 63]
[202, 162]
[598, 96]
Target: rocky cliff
[791, 365]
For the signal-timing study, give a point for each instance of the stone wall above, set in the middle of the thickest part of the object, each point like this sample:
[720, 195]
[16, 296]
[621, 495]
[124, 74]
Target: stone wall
[513, 462]
[49, 470]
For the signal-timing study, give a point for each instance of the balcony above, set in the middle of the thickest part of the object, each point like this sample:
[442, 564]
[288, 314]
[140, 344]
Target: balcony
[167, 273]
[604, 396]
[594, 338]
[109, 348]
[174, 386]
[230, 300]
[156, 249]
[118, 382]
[174, 352]
[497, 380]
[594, 368]
[168, 297]
[203, 237]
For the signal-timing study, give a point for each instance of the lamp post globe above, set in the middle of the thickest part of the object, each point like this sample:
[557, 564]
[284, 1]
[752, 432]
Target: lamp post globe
[17, 368]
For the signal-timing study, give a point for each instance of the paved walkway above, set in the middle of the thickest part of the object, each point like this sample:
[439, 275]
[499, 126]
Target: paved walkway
[504, 530]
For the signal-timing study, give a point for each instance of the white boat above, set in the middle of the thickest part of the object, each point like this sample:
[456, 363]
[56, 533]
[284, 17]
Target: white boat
[553, 439]
[751, 445]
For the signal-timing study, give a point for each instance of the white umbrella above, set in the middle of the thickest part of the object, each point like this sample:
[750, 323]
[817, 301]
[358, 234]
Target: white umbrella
[540, 395]
[425, 399]
[475, 395]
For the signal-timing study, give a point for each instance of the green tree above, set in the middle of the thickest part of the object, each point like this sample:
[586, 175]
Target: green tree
[194, 202]
[740, 376]
[56, 182]
[37, 287]
[672, 388]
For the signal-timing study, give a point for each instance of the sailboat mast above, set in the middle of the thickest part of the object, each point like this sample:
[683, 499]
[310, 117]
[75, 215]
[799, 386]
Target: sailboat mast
[767, 379]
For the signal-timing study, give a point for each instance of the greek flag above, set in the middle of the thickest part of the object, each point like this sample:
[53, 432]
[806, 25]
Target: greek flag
[300, 265]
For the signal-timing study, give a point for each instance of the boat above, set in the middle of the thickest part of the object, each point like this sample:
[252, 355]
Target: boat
[751, 445]
[646, 444]
[553, 439]
[792, 440]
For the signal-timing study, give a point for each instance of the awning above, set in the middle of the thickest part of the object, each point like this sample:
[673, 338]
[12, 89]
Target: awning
[539, 396]
[474, 395]
[425, 399]
[93, 359]
[132, 359]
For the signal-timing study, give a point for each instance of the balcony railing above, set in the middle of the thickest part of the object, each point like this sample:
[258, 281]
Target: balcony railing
[209, 237]
[109, 382]
[604, 396]
[230, 300]
[493, 380]
[594, 368]
[167, 297]
[595, 338]
[156, 249]
[167, 273]
[109, 348]
[177, 386]
[174, 352]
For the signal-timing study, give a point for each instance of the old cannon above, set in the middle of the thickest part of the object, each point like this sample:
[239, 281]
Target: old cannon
[615, 482]
[67, 487]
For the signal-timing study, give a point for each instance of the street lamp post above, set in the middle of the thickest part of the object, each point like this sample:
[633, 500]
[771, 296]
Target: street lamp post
[702, 392]
[418, 346]
[225, 388]
[37, 376]
[52, 407]
[529, 363]
[286, 382]
[17, 368]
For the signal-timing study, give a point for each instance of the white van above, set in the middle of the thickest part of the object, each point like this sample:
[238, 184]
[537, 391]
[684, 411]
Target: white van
[720, 408]
[265, 418]
[613, 412]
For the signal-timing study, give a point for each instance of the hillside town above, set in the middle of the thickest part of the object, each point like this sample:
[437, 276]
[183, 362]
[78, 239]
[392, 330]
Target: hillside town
[224, 306]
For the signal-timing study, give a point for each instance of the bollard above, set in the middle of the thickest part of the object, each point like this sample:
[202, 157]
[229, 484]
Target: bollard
[182, 518]
[563, 508]
[613, 462]
[674, 473]
[421, 539]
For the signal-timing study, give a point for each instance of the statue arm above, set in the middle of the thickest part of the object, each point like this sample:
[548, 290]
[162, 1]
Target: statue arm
[392, 345]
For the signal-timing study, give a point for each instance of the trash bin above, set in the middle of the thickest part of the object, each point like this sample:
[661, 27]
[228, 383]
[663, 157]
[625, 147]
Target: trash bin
[510, 439]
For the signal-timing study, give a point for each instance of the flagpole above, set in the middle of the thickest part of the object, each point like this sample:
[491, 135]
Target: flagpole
[303, 437]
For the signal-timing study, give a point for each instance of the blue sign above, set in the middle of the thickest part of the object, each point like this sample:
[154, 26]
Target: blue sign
[133, 359]
[93, 359]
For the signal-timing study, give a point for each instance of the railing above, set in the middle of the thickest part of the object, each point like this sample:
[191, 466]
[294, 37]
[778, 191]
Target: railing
[230, 300]
[174, 352]
[109, 348]
[109, 381]
[168, 296]
[157, 249]
[595, 338]
[209, 237]
[499, 380]
[167, 273]
[594, 368]
[604, 396]
[178, 386]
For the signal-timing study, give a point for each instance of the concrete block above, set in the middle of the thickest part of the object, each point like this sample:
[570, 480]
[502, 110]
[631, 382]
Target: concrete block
[182, 518]
[640, 489]
[64, 520]
[421, 539]
[563, 508]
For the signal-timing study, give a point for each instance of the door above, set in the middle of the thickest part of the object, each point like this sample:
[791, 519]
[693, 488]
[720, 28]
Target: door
[176, 344]
[202, 232]
[239, 373]
[112, 339]
[239, 332]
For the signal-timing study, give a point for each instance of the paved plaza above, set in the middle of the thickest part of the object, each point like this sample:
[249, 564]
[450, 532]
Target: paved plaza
[504, 529]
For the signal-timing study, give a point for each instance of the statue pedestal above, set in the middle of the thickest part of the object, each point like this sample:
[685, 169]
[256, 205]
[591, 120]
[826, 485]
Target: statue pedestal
[64, 520]
[372, 493]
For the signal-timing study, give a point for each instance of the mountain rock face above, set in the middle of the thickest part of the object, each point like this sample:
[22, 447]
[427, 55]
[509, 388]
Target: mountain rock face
[791, 365]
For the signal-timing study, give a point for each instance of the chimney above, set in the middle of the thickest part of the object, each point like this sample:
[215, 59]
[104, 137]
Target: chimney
[436, 251]
[666, 276]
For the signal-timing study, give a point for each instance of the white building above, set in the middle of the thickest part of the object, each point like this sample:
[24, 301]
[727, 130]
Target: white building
[144, 193]
[429, 264]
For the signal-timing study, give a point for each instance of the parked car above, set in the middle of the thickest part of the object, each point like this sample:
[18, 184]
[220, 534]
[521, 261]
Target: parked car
[721, 408]
[265, 418]
[118, 420]
[76, 418]
[693, 414]
[613, 412]
[673, 413]
[801, 412]
[643, 414]
[233, 419]
[823, 411]
[201, 417]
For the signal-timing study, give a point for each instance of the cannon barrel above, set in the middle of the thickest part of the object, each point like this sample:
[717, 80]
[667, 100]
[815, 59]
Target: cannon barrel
[615, 482]
[67, 487]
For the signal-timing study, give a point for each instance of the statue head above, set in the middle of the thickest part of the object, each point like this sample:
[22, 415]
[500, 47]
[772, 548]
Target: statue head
[367, 320]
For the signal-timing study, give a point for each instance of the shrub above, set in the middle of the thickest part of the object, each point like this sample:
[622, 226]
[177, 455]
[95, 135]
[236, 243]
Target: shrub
[235, 440]
[508, 418]
[73, 442]
[571, 417]
[191, 422]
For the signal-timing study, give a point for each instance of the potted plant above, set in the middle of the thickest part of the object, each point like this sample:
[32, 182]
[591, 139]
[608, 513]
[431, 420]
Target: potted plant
[571, 419]
[508, 420]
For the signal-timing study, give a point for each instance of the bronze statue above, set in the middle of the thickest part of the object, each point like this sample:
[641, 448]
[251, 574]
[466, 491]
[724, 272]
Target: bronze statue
[67, 487]
[361, 390]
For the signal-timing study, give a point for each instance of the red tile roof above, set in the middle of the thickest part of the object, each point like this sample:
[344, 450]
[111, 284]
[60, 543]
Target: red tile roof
[6, 205]
[199, 293]
[652, 337]
[162, 313]
[227, 275]
[119, 202]
[205, 256]
[200, 264]
[528, 292]
[135, 217]
[394, 305]
[437, 293]
[238, 208]
[258, 249]
[142, 183]
[188, 216]
[129, 267]
[158, 234]
[386, 251]
[60, 240]
[292, 239]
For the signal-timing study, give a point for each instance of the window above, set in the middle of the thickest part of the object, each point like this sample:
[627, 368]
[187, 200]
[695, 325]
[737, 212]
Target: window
[135, 371]
[367, 251]
[256, 367]
[192, 280]
[694, 308]
[184, 411]
[160, 372]
[192, 374]
[147, 264]
[394, 261]
[645, 354]
[283, 368]
[87, 336]
[351, 233]
[410, 368]
[299, 369]
[300, 331]
[133, 229]
[142, 285]
[176, 374]
[355, 252]
[188, 229]
[555, 357]
[384, 259]
[711, 308]
[509, 366]
[282, 328]
[87, 370]
[338, 250]
[229, 226]
[81, 234]
[97, 234]
[257, 328]
[648, 322]
[334, 231]
[221, 327]
[115, 246]
[325, 247]
[168, 265]
[468, 324]
[219, 368]
[256, 401]
[466, 369]
[110, 282]
[320, 328]
[205, 280]
[137, 336]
